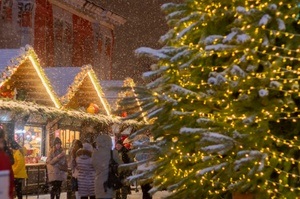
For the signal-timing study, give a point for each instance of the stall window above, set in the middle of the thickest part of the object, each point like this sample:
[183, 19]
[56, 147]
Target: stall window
[31, 139]
[67, 136]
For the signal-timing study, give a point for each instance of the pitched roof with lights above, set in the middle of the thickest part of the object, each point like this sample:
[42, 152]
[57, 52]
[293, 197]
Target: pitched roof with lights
[80, 83]
[21, 69]
[111, 88]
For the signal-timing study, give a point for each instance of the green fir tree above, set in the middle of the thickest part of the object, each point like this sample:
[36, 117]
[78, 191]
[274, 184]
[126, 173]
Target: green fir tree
[224, 101]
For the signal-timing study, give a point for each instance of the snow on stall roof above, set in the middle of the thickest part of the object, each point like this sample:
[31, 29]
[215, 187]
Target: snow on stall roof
[110, 93]
[6, 55]
[61, 78]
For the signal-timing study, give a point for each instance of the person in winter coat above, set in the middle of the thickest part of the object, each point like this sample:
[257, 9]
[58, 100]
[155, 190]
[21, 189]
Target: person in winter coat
[100, 161]
[5, 164]
[143, 140]
[18, 167]
[76, 145]
[123, 153]
[57, 168]
[86, 172]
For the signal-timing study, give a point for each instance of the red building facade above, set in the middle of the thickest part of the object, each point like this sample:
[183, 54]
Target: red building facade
[63, 32]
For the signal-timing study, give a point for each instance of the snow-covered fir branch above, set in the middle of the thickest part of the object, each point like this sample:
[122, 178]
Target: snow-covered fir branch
[242, 38]
[180, 55]
[219, 47]
[175, 14]
[178, 89]
[154, 113]
[156, 54]
[275, 84]
[265, 20]
[168, 99]
[281, 24]
[221, 149]
[150, 74]
[211, 39]
[236, 70]
[187, 30]
[216, 137]
[203, 120]
[186, 130]
[230, 37]
[212, 168]
[249, 120]
[157, 82]
[180, 113]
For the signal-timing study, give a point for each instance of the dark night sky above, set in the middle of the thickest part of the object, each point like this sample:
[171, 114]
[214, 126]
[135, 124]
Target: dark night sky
[144, 26]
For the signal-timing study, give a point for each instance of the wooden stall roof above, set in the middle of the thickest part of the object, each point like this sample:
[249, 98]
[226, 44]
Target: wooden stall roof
[77, 87]
[20, 71]
[111, 91]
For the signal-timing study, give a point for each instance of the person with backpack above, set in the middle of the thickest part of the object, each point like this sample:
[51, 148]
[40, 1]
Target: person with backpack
[18, 167]
[100, 160]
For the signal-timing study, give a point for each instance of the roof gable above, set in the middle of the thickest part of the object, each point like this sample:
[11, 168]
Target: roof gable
[20, 69]
[111, 89]
[61, 78]
[77, 87]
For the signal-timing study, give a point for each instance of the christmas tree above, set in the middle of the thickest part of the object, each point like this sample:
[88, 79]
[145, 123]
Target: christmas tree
[224, 99]
[131, 105]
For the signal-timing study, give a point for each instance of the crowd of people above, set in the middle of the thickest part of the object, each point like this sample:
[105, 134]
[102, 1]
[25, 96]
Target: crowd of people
[89, 164]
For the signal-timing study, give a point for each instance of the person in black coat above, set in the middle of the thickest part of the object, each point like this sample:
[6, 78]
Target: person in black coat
[123, 152]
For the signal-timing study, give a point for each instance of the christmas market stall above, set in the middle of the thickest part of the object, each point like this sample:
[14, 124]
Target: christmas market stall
[78, 89]
[23, 80]
[31, 112]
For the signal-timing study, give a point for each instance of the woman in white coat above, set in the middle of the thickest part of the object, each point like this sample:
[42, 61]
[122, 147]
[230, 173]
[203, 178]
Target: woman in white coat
[86, 172]
[100, 161]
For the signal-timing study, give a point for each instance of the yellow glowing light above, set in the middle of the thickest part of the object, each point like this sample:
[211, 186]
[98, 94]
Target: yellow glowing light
[53, 98]
[98, 93]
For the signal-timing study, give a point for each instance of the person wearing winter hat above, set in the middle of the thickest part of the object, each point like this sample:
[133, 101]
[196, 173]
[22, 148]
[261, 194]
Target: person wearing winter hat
[57, 168]
[86, 172]
[18, 167]
[100, 161]
[123, 153]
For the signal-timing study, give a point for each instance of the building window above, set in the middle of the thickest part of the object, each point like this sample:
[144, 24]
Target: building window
[108, 46]
[63, 37]
[6, 9]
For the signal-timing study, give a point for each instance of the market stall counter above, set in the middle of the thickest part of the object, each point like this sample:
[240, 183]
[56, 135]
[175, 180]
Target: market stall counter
[37, 181]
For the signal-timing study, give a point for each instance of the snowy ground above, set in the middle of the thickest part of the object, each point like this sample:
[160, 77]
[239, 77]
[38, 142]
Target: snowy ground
[133, 195]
